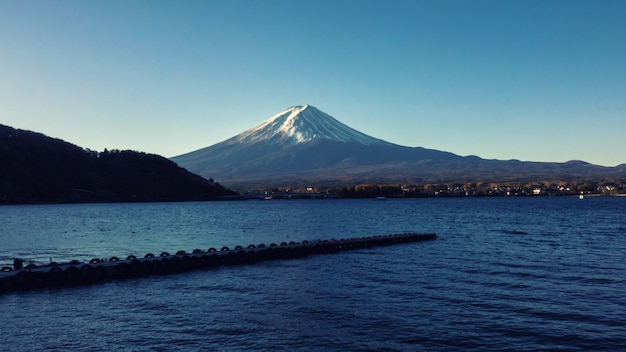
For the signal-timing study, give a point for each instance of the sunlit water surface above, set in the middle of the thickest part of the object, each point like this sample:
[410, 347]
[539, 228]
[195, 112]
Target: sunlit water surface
[525, 274]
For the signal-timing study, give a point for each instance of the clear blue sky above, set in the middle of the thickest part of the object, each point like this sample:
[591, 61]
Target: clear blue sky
[530, 80]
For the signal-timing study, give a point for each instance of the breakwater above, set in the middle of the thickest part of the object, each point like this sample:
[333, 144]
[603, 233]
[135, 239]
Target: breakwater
[98, 270]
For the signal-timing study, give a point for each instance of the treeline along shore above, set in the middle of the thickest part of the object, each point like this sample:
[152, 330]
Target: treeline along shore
[471, 189]
[37, 169]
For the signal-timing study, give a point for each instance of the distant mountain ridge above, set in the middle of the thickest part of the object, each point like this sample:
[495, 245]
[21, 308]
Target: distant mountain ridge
[305, 146]
[35, 168]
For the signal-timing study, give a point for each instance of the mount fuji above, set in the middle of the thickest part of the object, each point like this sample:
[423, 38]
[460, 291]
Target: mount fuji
[302, 124]
[304, 146]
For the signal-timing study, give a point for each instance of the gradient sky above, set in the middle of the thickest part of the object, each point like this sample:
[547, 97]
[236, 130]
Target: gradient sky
[529, 80]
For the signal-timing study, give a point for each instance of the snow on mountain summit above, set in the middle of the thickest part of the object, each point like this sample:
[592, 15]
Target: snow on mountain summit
[304, 123]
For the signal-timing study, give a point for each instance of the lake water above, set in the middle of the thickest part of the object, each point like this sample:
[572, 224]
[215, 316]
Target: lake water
[516, 274]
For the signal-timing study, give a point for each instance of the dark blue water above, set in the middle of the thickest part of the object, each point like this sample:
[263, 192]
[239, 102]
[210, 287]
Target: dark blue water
[517, 274]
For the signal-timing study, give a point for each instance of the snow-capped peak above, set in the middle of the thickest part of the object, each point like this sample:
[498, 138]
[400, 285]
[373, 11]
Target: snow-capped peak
[302, 124]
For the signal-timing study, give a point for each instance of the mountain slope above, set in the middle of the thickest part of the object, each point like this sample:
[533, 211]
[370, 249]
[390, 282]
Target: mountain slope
[303, 145]
[35, 168]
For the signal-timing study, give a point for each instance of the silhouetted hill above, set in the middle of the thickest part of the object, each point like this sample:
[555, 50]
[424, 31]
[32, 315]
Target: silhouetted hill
[35, 168]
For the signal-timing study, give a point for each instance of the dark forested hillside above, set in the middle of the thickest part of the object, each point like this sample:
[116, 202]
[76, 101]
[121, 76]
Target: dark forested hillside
[35, 168]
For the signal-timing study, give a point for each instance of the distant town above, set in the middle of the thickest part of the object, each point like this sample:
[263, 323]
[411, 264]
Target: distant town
[507, 189]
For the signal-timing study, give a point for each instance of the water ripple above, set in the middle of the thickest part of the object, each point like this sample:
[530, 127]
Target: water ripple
[506, 274]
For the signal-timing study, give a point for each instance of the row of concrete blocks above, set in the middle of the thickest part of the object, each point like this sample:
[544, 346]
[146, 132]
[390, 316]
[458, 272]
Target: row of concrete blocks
[99, 270]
